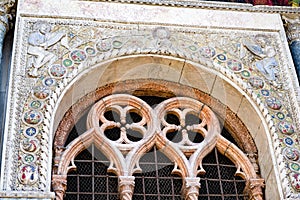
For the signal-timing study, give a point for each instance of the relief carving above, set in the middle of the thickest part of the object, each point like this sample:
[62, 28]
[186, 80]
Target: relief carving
[41, 44]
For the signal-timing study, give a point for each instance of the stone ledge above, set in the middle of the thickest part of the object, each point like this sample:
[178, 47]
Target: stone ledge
[27, 195]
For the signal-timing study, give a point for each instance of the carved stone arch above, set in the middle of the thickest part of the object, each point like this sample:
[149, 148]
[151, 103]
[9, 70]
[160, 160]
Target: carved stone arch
[120, 86]
[123, 166]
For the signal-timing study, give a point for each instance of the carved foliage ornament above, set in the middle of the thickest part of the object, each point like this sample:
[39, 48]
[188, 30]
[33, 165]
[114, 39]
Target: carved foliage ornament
[137, 135]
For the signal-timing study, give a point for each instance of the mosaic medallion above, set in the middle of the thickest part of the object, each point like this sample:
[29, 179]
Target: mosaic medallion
[30, 131]
[295, 180]
[221, 57]
[193, 48]
[117, 44]
[256, 82]
[67, 62]
[90, 51]
[49, 82]
[294, 167]
[36, 104]
[41, 92]
[246, 73]
[207, 52]
[30, 145]
[273, 103]
[28, 158]
[288, 141]
[104, 45]
[280, 115]
[78, 56]
[161, 33]
[265, 93]
[57, 71]
[28, 174]
[286, 128]
[291, 153]
[32, 117]
[234, 65]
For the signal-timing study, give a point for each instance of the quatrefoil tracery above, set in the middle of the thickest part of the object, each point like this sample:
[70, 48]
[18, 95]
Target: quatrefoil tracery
[124, 128]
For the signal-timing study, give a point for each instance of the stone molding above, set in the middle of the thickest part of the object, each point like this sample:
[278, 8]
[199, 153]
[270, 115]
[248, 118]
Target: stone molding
[213, 5]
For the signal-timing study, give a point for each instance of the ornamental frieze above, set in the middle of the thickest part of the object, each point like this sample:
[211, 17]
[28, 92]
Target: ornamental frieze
[53, 53]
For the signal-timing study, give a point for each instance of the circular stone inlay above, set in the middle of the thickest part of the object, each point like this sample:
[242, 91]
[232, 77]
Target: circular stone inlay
[41, 92]
[246, 73]
[294, 166]
[256, 82]
[57, 71]
[49, 82]
[234, 65]
[104, 45]
[291, 153]
[207, 52]
[67, 62]
[286, 128]
[36, 104]
[90, 51]
[32, 117]
[78, 56]
[31, 131]
[273, 103]
[221, 57]
[288, 141]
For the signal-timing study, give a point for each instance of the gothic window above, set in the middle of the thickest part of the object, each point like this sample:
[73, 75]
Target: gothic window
[132, 151]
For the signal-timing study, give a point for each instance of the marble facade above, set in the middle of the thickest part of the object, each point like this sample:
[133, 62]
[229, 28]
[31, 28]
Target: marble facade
[238, 55]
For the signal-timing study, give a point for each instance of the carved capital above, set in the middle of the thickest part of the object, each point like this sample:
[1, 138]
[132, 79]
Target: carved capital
[6, 12]
[59, 185]
[292, 24]
[126, 187]
[191, 188]
[254, 189]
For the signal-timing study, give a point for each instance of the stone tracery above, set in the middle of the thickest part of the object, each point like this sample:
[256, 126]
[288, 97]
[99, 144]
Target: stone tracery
[124, 155]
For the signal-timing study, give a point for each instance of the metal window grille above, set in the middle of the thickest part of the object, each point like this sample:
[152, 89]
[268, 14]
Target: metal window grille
[91, 181]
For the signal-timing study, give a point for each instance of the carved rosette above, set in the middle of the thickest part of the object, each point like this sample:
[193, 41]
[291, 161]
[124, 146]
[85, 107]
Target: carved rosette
[126, 187]
[59, 186]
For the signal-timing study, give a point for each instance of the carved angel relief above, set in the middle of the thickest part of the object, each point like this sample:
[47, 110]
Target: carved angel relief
[139, 128]
[41, 45]
[265, 63]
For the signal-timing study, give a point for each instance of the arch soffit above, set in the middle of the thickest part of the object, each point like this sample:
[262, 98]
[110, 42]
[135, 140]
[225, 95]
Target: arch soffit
[228, 94]
[167, 89]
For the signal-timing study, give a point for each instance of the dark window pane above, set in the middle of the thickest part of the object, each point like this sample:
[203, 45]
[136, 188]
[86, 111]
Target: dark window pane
[85, 184]
[228, 187]
[150, 186]
[72, 183]
[211, 171]
[214, 187]
[165, 186]
[100, 184]
[70, 197]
